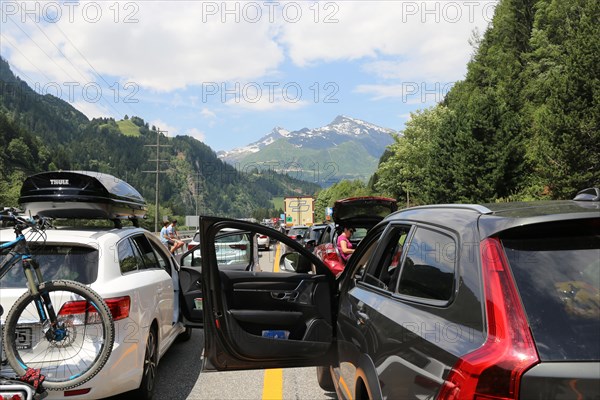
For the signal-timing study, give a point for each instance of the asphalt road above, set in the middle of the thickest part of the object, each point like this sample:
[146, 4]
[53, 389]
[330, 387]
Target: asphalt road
[179, 377]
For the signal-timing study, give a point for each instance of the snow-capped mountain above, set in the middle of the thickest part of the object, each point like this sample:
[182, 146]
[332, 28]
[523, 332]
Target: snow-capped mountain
[342, 129]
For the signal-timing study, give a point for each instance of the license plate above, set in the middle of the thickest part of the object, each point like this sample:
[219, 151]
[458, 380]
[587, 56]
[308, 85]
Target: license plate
[23, 336]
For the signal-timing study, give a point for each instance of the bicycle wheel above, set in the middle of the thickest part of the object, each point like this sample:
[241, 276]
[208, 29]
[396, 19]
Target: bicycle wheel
[69, 355]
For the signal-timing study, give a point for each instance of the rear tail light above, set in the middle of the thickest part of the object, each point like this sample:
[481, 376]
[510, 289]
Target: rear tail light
[238, 246]
[263, 236]
[494, 370]
[190, 246]
[118, 306]
[292, 237]
[330, 253]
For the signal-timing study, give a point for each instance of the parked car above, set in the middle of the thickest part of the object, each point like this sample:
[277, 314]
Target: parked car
[312, 236]
[136, 276]
[263, 242]
[360, 213]
[234, 248]
[450, 301]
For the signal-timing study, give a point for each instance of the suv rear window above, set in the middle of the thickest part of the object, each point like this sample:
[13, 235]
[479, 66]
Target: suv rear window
[58, 262]
[559, 282]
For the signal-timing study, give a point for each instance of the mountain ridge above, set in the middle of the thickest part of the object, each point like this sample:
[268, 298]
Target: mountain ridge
[318, 151]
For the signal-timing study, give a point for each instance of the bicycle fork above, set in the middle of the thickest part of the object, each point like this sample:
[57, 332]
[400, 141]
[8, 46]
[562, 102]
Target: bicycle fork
[42, 301]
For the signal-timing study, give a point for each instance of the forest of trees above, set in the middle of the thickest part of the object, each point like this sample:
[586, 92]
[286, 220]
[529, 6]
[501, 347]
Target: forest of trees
[524, 124]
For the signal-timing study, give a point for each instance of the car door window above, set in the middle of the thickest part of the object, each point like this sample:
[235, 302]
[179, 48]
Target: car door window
[384, 273]
[128, 261]
[162, 257]
[429, 266]
[145, 251]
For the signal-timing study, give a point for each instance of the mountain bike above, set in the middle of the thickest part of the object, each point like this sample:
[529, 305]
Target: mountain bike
[62, 329]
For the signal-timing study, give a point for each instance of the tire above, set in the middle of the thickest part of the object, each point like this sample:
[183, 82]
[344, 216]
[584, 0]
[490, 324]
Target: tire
[146, 389]
[185, 335]
[324, 379]
[59, 369]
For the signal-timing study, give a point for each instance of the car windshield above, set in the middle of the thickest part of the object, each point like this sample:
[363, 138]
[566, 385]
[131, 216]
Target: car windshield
[297, 231]
[316, 233]
[559, 283]
[58, 262]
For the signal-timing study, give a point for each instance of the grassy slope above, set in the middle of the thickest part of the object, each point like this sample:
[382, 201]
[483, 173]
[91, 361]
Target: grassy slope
[128, 128]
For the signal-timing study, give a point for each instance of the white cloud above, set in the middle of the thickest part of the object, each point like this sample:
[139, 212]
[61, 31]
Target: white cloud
[163, 126]
[166, 45]
[420, 39]
[196, 134]
[206, 113]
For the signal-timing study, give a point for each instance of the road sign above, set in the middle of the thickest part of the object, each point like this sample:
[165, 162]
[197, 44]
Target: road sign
[329, 211]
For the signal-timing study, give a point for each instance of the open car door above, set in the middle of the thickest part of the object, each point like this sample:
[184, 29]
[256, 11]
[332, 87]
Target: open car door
[276, 314]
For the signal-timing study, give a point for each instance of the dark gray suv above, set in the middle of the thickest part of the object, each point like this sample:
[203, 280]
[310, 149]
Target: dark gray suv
[496, 301]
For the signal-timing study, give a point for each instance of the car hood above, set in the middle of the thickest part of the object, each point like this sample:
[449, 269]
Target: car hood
[362, 210]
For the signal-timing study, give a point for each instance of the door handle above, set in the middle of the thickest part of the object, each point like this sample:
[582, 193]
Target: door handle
[362, 318]
[289, 296]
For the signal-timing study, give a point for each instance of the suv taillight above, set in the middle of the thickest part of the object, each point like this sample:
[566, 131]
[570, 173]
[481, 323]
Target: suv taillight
[118, 306]
[494, 370]
[330, 253]
[190, 246]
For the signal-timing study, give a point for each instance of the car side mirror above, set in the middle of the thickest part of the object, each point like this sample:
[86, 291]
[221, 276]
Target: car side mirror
[299, 237]
[294, 262]
[311, 242]
[191, 259]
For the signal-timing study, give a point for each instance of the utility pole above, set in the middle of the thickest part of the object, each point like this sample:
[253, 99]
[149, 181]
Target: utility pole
[157, 172]
[198, 192]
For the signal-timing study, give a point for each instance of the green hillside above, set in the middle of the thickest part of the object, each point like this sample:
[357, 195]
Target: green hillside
[44, 133]
[324, 167]
[128, 128]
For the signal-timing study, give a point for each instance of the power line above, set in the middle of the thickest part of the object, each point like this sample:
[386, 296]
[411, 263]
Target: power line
[64, 56]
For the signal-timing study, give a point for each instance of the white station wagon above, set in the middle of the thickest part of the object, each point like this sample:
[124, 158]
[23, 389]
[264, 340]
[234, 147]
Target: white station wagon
[128, 267]
[136, 276]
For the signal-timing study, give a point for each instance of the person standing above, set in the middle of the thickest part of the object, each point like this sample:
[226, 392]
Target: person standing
[344, 245]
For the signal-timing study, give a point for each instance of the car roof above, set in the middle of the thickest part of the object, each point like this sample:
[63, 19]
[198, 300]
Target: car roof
[78, 234]
[496, 217]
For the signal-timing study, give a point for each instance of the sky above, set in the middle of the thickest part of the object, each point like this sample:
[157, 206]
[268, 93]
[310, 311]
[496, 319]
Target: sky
[228, 72]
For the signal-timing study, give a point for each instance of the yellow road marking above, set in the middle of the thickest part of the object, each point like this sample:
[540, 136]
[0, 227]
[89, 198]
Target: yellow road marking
[276, 261]
[273, 384]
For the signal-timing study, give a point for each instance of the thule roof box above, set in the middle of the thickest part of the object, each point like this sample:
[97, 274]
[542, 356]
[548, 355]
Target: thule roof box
[81, 195]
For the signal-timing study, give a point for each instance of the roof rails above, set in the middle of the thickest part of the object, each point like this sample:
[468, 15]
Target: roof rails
[473, 207]
[589, 194]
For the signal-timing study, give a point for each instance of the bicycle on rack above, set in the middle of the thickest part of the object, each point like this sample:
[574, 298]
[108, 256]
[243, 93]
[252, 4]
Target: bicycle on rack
[67, 347]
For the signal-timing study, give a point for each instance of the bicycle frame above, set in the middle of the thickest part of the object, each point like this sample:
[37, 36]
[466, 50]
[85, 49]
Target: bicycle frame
[20, 252]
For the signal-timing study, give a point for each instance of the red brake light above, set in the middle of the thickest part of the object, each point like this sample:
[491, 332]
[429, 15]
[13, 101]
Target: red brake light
[330, 253]
[190, 246]
[118, 306]
[263, 236]
[238, 246]
[494, 370]
[76, 392]
[292, 237]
